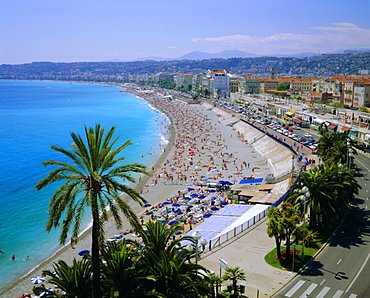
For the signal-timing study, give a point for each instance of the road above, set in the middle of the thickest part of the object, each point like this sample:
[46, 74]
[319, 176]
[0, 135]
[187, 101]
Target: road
[342, 268]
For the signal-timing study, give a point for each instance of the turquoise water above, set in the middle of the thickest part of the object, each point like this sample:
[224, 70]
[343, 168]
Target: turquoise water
[35, 115]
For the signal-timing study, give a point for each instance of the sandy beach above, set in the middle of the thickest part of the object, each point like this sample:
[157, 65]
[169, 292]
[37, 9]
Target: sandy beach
[202, 149]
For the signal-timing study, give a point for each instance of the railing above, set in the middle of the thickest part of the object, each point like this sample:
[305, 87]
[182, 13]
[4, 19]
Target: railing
[213, 244]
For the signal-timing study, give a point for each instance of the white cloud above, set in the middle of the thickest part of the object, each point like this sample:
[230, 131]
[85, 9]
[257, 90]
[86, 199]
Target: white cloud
[340, 36]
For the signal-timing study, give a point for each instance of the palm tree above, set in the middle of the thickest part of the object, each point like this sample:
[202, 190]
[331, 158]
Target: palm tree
[334, 148]
[234, 275]
[94, 179]
[75, 280]
[331, 189]
[163, 266]
[119, 273]
[275, 228]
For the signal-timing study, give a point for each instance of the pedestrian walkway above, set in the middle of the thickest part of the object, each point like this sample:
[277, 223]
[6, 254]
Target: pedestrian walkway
[304, 289]
[247, 251]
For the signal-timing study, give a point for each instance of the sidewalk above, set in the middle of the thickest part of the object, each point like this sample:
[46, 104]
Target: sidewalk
[247, 251]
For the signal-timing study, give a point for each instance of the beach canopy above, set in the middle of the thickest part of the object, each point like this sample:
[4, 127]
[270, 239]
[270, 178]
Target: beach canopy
[218, 186]
[178, 211]
[224, 203]
[251, 181]
[37, 280]
[214, 208]
[166, 203]
[83, 252]
[211, 190]
[147, 205]
[207, 215]
[176, 205]
[201, 196]
[172, 222]
[190, 189]
[193, 195]
[205, 179]
[186, 198]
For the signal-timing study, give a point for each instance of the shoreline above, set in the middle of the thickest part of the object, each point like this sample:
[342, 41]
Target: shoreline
[138, 186]
[207, 130]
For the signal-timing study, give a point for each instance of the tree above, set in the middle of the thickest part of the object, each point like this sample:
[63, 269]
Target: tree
[282, 224]
[75, 280]
[283, 86]
[334, 148]
[331, 189]
[163, 266]
[234, 275]
[119, 273]
[275, 229]
[94, 179]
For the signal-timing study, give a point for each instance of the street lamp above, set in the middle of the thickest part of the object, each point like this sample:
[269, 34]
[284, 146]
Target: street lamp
[349, 154]
[203, 242]
[189, 249]
[196, 235]
[304, 198]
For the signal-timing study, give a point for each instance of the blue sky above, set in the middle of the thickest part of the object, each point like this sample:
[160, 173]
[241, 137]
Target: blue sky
[80, 30]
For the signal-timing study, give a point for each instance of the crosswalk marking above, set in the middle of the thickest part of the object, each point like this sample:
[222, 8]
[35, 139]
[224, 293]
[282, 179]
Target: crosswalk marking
[338, 294]
[323, 292]
[308, 291]
[311, 287]
[295, 288]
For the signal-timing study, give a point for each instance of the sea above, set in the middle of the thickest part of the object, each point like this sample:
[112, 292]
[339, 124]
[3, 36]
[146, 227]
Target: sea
[37, 114]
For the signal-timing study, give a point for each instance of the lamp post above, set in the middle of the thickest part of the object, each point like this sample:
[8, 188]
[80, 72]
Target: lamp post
[349, 154]
[189, 248]
[304, 198]
[196, 235]
[294, 248]
[203, 242]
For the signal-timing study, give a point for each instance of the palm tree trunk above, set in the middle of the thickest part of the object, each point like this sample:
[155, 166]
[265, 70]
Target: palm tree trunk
[278, 249]
[95, 249]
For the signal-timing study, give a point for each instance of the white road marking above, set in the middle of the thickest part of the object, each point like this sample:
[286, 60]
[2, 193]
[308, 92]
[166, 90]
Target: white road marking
[322, 282]
[295, 288]
[338, 294]
[308, 291]
[352, 296]
[358, 273]
[323, 292]
[340, 260]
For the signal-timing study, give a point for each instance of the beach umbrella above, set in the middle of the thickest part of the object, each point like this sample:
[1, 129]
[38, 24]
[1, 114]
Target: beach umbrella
[176, 205]
[224, 203]
[205, 179]
[178, 211]
[207, 215]
[222, 182]
[190, 189]
[172, 222]
[166, 203]
[218, 186]
[212, 190]
[186, 198]
[214, 208]
[83, 252]
[37, 280]
[201, 196]
[147, 205]
[193, 195]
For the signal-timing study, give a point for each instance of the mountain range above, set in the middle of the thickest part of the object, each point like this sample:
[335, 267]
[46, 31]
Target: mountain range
[197, 55]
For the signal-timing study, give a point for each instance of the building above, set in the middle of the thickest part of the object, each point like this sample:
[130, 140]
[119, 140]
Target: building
[219, 80]
[361, 94]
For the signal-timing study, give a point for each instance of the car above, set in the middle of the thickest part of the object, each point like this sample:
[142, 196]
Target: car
[296, 127]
